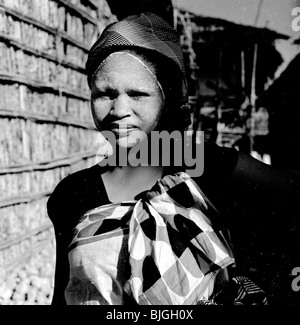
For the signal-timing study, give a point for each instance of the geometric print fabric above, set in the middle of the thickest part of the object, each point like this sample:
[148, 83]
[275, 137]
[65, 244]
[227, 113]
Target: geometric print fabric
[166, 248]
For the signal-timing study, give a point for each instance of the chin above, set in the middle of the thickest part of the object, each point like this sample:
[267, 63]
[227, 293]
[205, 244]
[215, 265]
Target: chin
[124, 143]
[131, 140]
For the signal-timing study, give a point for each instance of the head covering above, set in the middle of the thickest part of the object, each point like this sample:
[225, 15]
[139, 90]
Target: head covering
[145, 31]
[135, 57]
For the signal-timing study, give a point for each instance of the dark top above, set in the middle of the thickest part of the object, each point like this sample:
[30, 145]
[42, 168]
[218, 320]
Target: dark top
[257, 202]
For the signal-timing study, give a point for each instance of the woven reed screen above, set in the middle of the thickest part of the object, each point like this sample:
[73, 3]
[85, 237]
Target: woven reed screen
[46, 130]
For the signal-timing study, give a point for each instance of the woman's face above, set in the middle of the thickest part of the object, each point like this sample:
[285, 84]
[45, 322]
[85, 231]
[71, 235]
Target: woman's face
[126, 98]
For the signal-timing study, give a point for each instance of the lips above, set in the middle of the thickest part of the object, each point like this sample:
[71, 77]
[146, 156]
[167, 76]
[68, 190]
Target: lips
[122, 130]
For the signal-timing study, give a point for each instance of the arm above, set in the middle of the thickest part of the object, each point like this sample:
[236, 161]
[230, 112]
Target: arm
[259, 205]
[265, 225]
[260, 188]
[61, 271]
[251, 195]
[72, 197]
[63, 209]
[56, 212]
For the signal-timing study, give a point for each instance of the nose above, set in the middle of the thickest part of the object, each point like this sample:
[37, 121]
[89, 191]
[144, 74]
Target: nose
[121, 106]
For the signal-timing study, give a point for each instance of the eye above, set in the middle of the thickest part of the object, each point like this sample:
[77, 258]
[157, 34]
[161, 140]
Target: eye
[105, 94]
[108, 94]
[136, 94]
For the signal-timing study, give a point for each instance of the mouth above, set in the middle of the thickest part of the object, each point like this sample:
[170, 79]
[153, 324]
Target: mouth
[122, 131]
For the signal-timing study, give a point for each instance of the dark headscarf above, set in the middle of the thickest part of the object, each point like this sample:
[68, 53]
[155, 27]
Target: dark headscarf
[147, 32]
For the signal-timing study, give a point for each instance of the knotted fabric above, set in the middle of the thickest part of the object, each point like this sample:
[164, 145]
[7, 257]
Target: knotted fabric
[166, 248]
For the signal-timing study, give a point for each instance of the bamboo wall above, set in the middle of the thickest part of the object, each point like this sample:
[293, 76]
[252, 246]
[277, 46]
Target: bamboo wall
[46, 130]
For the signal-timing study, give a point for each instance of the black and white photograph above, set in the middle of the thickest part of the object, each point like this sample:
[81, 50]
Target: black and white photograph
[150, 155]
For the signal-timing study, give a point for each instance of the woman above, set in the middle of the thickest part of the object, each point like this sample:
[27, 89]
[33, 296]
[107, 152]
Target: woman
[152, 234]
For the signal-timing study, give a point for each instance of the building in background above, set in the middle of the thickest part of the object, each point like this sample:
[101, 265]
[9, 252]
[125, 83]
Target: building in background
[230, 66]
[282, 101]
[46, 133]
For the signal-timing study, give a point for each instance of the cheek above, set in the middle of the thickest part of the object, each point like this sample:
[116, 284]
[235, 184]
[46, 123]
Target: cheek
[153, 111]
[99, 110]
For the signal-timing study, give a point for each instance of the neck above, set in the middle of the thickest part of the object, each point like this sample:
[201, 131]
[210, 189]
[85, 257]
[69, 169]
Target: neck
[126, 182]
[138, 171]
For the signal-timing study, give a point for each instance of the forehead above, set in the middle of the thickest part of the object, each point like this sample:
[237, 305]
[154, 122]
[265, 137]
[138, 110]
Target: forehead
[119, 68]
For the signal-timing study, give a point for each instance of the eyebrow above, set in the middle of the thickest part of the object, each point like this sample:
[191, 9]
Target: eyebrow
[101, 87]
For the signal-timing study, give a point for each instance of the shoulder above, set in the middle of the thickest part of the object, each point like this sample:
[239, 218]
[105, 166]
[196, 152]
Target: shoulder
[218, 168]
[73, 183]
[75, 194]
[219, 163]
[224, 158]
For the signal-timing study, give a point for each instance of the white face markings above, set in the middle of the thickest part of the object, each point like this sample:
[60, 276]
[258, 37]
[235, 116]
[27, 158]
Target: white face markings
[126, 97]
